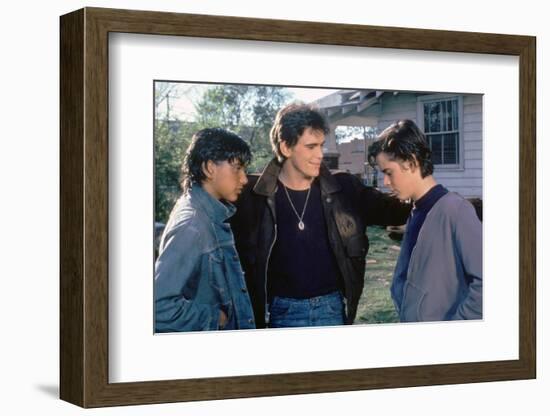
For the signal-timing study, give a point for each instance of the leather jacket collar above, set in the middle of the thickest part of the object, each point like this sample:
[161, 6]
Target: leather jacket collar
[267, 183]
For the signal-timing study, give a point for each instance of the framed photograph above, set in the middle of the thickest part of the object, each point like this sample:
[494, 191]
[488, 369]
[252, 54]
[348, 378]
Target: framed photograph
[125, 79]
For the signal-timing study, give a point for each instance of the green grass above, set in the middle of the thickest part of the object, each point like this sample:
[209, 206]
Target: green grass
[375, 305]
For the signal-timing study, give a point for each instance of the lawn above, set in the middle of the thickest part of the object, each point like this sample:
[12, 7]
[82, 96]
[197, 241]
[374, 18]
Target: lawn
[375, 305]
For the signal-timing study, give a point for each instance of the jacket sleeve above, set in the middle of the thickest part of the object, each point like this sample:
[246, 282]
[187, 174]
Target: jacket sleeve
[177, 275]
[468, 243]
[380, 208]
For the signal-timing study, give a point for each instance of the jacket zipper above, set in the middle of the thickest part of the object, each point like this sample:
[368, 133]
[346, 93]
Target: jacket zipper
[265, 280]
[329, 215]
[420, 233]
[266, 312]
[413, 251]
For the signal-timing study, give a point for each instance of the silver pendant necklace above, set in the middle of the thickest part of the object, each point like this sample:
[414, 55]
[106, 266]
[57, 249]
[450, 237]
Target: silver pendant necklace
[301, 225]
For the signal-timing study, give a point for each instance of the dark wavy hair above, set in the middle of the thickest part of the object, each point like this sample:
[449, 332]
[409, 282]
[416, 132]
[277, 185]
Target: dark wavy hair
[403, 141]
[290, 123]
[215, 144]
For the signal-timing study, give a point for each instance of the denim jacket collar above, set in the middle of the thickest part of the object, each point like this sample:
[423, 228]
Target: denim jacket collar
[267, 183]
[216, 210]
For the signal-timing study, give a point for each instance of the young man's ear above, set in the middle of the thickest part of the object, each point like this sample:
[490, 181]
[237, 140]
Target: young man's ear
[413, 164]
[285, 149]
[209, 169]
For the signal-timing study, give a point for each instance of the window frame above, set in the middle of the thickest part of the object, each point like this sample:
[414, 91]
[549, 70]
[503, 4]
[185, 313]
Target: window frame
[432, 98]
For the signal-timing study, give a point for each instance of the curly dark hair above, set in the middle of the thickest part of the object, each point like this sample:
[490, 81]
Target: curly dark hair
[213, 144]
[290, 123]
[403, 141]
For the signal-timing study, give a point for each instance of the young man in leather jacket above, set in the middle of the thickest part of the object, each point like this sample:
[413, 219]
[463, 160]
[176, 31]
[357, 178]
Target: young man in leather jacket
[300, 230]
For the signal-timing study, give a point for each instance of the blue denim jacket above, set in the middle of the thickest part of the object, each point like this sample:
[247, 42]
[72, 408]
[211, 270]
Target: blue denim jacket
[198, 272]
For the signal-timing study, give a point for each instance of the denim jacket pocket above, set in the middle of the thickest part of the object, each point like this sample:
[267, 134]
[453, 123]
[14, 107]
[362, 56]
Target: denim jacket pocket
[227, 308]
[411, 306]
[216, 276]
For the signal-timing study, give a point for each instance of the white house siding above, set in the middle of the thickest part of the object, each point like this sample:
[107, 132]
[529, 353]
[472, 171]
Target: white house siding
[352, 156]
[396, 107]
[467, 181]
[356, 120]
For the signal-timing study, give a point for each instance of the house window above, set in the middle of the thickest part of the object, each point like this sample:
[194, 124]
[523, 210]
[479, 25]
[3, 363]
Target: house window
[442, 129]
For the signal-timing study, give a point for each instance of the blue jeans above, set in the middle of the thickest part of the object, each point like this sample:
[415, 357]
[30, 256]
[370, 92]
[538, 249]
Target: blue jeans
[326, 310]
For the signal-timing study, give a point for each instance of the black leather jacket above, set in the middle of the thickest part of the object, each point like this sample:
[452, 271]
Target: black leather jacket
[349, 206]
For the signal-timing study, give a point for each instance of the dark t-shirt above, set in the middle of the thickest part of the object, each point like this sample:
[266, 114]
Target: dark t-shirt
[302, 264]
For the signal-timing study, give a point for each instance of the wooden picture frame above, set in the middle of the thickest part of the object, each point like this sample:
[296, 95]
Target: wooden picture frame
[84, 207]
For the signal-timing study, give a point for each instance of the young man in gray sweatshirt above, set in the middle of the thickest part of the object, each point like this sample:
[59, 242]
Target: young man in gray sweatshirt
[438, 275]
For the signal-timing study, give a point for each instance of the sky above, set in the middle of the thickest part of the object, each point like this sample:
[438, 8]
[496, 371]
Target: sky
[181, 104]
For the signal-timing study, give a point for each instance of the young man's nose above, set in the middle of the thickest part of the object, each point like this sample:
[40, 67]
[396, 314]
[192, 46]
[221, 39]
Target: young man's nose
[317, 154]
[243, 179]
[386, 181]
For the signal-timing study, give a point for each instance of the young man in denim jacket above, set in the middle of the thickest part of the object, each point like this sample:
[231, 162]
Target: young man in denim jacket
[199, 283]
[438, 275]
